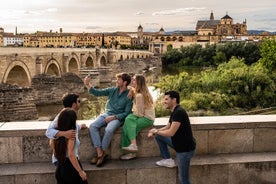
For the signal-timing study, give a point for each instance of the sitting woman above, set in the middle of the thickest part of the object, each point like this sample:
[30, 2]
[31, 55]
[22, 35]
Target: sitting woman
[69, 169]
[142, 116]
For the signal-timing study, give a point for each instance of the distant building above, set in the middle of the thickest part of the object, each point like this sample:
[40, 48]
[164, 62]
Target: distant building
[1, 37]
[224, 29]
[9, 39]
[208, 31]
[49, 39]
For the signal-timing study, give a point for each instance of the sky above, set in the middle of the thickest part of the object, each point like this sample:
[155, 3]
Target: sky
[93, 16]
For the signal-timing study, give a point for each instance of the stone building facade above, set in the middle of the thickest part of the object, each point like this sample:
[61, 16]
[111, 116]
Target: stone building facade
[225, 26]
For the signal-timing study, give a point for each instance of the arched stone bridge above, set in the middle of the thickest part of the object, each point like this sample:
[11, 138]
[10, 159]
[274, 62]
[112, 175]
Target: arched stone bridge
[19, 65]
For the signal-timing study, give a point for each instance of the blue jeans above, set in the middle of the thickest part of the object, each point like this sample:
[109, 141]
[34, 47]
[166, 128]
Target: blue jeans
[183, 164]
[163, 143]
[183, 158]
[94, 129]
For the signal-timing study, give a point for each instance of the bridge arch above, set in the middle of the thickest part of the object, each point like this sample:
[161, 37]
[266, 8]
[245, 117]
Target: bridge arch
[73, 66]
[121, 58]
[103, 60]
[18, 74]
[53, 68]
[89, 63]
[114, 58]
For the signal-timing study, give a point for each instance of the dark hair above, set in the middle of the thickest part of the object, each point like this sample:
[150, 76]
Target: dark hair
[68, 99]
[125, 77]
[173, 94]
[66, 121]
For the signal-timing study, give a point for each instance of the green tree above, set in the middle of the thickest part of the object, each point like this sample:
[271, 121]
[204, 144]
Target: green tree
[268, 54]
[231, 85]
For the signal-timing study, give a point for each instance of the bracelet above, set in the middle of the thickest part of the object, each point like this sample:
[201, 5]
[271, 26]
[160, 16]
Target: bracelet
[80, 171]
[155, 131]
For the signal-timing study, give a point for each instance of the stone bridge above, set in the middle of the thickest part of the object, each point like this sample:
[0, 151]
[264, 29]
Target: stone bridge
[19, 65]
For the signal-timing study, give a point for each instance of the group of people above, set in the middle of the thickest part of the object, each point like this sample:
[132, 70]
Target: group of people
[130, 106]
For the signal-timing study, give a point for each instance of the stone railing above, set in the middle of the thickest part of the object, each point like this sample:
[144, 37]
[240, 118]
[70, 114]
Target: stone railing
[26, 141]
[230, 150]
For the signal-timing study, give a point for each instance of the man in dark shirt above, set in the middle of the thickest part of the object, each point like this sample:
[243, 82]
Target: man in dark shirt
[178, 135]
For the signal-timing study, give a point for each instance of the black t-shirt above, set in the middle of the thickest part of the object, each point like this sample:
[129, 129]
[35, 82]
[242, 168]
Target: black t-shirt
[182, 140]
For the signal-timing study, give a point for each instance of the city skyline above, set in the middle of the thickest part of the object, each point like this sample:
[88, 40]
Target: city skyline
[126, 15]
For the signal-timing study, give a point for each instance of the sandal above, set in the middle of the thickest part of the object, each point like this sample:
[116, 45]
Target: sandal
[101, 160]
[94, 160]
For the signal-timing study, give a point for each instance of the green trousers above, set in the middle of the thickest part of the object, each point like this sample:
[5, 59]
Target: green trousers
[132, 126]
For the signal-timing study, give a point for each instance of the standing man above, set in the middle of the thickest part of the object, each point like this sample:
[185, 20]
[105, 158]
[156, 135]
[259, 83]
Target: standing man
[118, 106]
[178, 135]
[69, 100]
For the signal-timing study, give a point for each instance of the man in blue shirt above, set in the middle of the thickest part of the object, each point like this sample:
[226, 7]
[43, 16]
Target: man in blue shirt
[69, 100]
[118, 106]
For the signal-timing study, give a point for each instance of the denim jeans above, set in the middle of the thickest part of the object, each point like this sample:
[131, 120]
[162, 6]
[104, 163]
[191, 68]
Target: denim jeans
[183, 158]
[94, 129]
[163, 143]
[183, 163]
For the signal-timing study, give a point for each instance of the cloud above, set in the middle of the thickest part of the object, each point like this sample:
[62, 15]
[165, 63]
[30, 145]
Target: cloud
[139, 13]
[40, 12]
[52, 10]
[93, 27]
[151, 24]
[176, 11]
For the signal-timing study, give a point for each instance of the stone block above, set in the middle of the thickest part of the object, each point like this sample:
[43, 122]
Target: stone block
[36, 149]
[86, 149]
[264, 139]
[238, 174]
[11, 150]
[35, 178]
[147, 147]
[158, 175]
[114, 176]
[262, 172]
[7, 179]
[115, 146]
[231, 141]
[256, 173]
[201, 142]
[209, 174]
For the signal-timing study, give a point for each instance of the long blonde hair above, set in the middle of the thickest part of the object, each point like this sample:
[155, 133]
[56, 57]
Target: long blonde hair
[142, 88]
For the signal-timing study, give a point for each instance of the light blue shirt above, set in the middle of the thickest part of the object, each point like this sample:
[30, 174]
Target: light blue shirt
[52, 131]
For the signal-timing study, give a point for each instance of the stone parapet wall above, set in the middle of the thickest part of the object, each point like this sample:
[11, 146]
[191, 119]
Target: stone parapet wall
[230, 150]
[215, 135]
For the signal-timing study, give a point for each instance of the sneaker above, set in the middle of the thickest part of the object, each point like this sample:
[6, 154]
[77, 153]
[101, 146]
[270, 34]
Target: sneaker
[131, 148]
[128, 156]
[166, 163]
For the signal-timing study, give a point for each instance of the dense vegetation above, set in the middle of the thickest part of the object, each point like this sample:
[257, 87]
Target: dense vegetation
[211, 55]
[242, 77]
